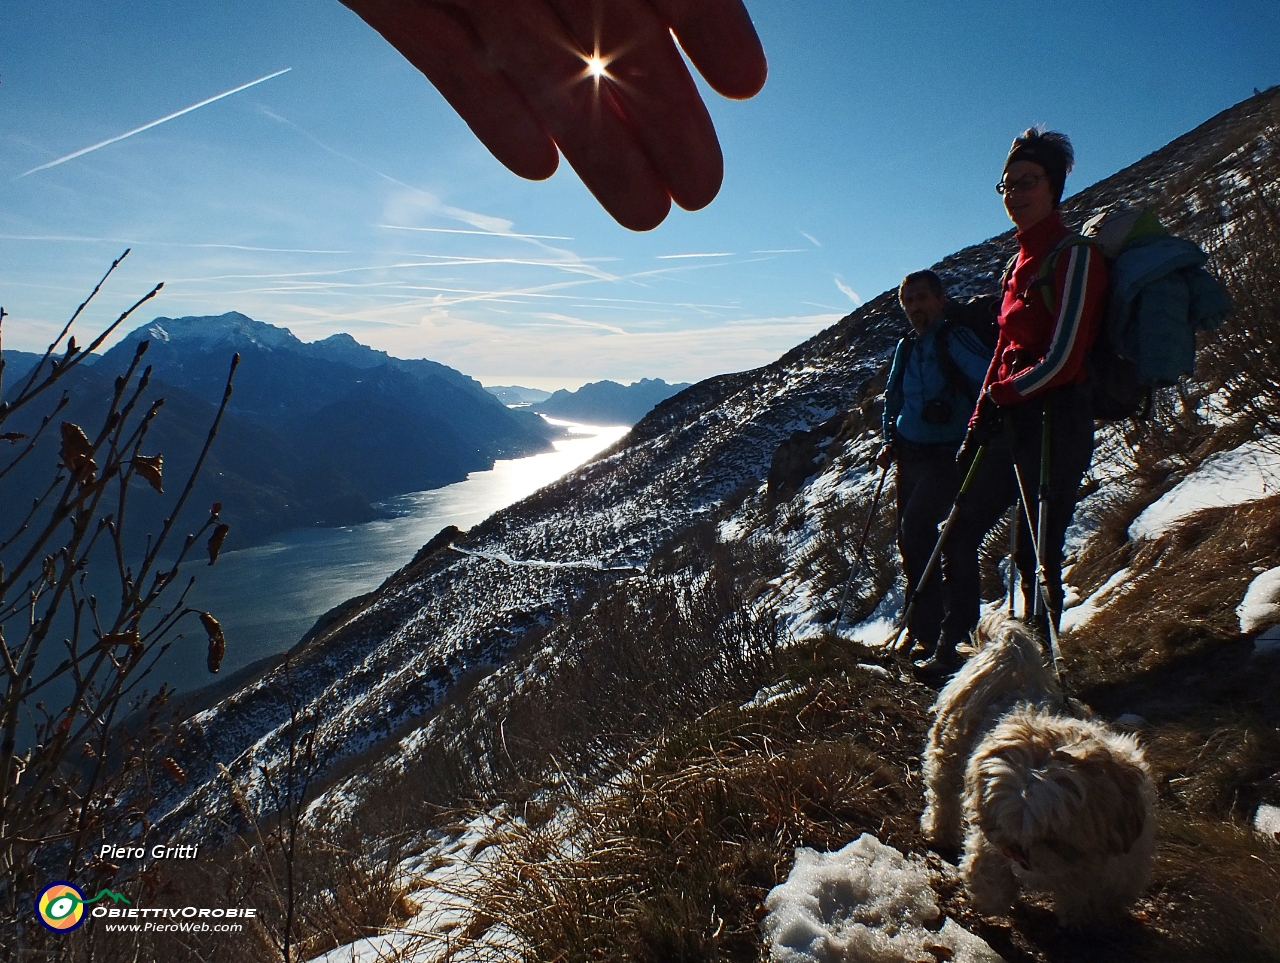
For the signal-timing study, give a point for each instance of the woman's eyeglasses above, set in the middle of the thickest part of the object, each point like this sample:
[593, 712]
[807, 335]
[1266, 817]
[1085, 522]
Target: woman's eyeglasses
[1021, 184]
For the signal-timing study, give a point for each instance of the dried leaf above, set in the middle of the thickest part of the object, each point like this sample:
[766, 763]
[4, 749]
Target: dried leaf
[215, 541]
[129, 637]
[77, 452]
[217, 641]
[13, 436]
[173, 769]
[148, 466]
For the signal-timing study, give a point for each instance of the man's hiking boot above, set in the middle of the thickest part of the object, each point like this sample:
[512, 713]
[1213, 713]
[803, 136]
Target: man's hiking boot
[935, 671]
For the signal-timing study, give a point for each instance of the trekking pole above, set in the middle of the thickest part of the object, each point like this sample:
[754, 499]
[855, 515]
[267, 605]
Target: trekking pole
[913, 591]
[1042, 512]
[1038, 532]
[1015, 524]
[862, 543]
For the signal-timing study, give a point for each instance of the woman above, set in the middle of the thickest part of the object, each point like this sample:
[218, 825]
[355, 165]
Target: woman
[1051, 306]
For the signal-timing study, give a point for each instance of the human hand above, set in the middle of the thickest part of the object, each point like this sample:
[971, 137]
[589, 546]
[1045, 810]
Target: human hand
[519, 72]
[885, 457]
[982, 425]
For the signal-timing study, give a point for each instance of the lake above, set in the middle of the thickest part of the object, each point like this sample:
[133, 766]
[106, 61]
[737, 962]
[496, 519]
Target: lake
[266, 597]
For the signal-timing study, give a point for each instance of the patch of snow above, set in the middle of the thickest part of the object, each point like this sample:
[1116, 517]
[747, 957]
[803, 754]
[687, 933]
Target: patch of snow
[879, 627]
[867, 902]
[1235, 477]
[771, 694]
[878, 671]
[1078, 615]
[442, 876]
[1266, 820]
[1260, 607]
[1088, 514]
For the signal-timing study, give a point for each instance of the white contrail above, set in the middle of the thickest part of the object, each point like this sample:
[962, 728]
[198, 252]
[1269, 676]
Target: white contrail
[849, 293]
[454, 230]
[154, 123]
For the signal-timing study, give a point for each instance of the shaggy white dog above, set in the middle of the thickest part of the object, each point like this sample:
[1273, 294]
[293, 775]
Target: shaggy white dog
[1061, 805]
[1055, 802]
[1009, 666]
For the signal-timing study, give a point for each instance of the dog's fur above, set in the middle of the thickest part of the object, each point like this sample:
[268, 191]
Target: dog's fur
[1008, 666]
[1056, 802]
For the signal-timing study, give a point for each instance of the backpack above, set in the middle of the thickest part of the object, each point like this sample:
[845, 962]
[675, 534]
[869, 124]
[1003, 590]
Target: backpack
[1159, 295]
[980, 315]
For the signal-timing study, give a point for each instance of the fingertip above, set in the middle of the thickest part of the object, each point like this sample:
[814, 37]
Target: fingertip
[533, 158]
[749, 80]
[720, 39]
[636, 213]
[651, 218]
[696, 196]
[739, 77]
[550, 164]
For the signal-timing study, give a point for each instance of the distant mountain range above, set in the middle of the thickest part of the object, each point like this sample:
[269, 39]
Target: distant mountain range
[18, 364]
[315, 433]
[607, 402]
[516, 395]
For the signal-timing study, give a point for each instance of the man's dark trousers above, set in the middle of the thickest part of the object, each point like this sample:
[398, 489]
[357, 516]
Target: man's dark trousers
[928, 480]
[1017, 437]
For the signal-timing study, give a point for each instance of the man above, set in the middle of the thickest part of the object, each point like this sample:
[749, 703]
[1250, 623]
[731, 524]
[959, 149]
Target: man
[1034, 403]
[933, 382]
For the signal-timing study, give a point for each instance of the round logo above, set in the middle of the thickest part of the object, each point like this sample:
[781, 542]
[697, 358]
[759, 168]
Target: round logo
[60, 907]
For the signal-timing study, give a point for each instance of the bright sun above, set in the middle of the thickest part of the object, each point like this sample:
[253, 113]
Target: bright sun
[596, 66]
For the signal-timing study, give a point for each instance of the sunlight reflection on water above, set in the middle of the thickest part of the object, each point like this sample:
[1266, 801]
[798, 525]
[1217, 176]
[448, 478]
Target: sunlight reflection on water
[267, 596]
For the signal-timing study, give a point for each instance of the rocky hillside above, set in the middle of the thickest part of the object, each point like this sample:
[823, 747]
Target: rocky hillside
[573, 637]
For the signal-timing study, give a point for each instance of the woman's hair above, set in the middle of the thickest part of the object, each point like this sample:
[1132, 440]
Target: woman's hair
[1048, 148]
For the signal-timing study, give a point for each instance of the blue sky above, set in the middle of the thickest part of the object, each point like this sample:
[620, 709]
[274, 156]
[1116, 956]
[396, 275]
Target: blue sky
[344, 195]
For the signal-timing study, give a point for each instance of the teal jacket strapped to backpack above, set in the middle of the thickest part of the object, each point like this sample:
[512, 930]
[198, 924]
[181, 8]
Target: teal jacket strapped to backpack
[1161, 295]
[924, 386]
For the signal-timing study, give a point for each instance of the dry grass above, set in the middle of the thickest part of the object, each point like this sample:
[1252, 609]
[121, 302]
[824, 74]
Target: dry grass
[676, 863]
[831, 560]
[1186, 586]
